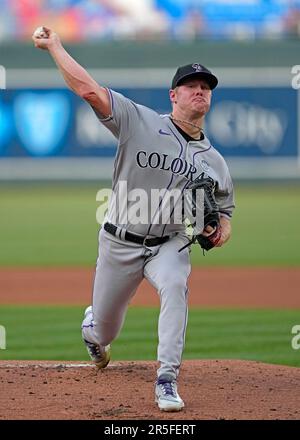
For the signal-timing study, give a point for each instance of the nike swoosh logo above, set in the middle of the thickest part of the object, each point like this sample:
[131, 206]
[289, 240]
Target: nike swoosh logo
[164, 132]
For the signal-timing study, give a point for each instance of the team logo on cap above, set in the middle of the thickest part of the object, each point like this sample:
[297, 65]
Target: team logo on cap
[197, 67]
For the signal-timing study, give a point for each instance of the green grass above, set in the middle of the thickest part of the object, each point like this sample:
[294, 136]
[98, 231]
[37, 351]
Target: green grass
[265, 229]
[54, 333]
[55, 225]
[48, 225]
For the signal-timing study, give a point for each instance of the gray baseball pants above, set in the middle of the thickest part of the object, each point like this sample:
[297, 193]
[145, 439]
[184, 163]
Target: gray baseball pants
[121, 266]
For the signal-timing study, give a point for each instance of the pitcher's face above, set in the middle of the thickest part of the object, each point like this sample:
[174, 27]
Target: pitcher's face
[193, 95]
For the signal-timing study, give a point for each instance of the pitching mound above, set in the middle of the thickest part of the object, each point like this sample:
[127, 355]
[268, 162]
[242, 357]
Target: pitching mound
[211, 389]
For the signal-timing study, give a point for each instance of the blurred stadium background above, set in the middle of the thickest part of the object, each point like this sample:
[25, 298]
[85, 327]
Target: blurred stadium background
[54, 155]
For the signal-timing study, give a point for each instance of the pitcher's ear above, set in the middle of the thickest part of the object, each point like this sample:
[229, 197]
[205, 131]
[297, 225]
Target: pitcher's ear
[172, 95]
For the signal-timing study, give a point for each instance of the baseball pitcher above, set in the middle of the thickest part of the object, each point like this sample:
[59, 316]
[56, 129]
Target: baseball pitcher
[171, 155]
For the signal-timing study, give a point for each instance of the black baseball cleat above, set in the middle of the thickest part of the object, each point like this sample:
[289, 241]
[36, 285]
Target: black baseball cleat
[99, 355]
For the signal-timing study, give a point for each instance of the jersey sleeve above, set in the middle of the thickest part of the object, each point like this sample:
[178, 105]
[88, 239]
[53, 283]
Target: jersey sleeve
[123, 118]
[224, 195]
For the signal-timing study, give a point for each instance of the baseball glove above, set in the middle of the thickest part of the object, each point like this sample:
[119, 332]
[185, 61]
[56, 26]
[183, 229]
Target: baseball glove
[211, 214]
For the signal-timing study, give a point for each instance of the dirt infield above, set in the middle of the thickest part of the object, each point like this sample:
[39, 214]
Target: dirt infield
[209, 287]
[211, 389]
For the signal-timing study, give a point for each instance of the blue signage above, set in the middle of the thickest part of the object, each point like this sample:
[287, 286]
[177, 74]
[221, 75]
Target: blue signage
[256, 122]
[42, 120]
[242, 122]
[6, 125]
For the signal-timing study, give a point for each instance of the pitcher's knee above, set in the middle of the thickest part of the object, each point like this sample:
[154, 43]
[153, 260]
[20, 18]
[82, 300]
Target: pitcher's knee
[175, 285]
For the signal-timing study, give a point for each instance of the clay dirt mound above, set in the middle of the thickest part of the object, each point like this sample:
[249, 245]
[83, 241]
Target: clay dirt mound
[211, 389]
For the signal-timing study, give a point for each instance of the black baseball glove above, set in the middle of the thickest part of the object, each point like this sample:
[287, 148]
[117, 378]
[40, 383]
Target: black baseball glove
[211, 214]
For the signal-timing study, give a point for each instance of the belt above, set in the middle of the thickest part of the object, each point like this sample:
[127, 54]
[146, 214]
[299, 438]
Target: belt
[138, 239]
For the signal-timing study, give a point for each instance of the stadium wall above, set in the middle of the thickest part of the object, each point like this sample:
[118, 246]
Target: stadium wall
[162, 53]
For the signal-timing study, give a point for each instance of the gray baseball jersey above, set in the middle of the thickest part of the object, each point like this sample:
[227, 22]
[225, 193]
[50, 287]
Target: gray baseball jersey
[152, 153]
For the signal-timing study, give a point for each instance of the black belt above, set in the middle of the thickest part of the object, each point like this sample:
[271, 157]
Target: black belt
[112, 229]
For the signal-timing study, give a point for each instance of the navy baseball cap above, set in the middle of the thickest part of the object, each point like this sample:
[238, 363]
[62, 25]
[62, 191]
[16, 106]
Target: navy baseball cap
[190, 70]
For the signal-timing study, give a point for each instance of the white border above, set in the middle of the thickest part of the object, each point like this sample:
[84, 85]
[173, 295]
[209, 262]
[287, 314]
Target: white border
[2, 78]
[101, 169]
[298, 126]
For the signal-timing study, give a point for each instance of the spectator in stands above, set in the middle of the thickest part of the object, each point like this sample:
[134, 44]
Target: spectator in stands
[8, 22]
[291, 20]
[139, 19]
[186, 17]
